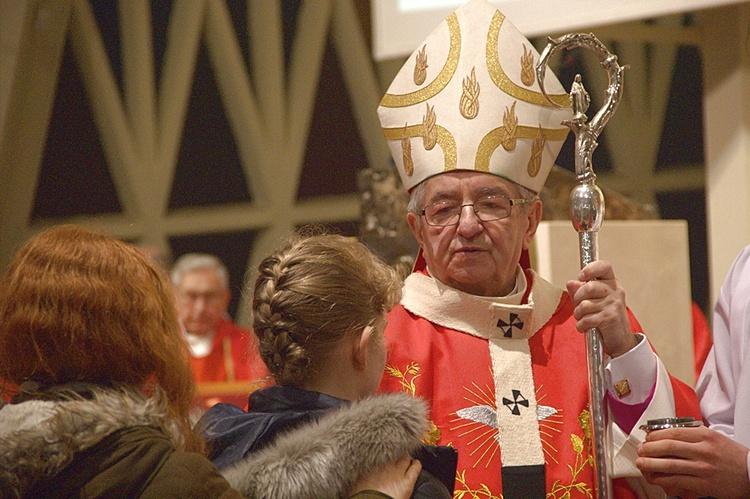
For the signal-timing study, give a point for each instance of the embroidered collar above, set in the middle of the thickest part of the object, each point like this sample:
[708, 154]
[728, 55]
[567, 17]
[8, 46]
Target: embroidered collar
[478, 315]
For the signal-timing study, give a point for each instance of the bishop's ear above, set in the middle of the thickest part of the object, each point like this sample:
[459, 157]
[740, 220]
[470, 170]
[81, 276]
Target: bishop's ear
[414, 224]
[534, 216]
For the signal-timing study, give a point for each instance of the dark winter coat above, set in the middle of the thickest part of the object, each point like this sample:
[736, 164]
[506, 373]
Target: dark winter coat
[319, 440]
[116, 444]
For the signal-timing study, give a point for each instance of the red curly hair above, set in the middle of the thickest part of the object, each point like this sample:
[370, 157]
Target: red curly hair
[76, 305]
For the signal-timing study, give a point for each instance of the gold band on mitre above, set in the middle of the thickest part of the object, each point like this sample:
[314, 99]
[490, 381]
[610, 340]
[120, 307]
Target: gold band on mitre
[467, 98]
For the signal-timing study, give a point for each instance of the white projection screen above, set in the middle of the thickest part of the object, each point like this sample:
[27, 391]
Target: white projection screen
[399, 26]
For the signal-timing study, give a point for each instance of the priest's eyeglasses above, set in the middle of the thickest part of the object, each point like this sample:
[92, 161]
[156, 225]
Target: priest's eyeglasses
[487, 209]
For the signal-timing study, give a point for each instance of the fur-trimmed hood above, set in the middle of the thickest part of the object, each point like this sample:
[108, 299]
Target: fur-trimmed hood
[39, 438]
[323, 459]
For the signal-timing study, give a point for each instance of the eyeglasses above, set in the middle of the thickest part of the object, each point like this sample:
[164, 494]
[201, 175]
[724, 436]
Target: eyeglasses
[487, 209]
[190, 297]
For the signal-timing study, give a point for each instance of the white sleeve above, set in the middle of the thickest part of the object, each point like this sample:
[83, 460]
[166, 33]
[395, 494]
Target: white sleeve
[638, 366]
[718, 386]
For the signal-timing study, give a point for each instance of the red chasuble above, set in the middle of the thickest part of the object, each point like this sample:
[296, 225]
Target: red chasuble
[477, 409]
[234, 357]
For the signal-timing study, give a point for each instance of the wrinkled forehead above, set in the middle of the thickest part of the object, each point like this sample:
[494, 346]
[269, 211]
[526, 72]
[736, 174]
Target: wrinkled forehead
[202, 278]
[463, 183]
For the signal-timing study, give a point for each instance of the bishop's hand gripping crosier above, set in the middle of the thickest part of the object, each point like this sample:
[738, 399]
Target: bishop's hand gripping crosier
[587, 212]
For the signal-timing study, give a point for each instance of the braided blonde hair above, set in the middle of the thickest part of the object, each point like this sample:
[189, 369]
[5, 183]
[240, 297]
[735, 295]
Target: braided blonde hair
[312, 294]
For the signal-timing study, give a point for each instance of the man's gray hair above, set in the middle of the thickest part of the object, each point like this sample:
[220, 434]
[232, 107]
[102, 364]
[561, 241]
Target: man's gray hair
[198, 261]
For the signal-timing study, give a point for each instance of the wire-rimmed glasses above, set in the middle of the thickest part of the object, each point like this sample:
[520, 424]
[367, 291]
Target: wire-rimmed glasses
[487, 209]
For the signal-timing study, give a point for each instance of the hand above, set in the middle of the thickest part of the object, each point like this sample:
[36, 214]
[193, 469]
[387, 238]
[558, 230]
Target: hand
[694, 462]
[396, 478]
[600, 303]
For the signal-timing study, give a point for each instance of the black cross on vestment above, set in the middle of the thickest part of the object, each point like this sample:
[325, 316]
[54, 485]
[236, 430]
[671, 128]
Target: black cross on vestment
[507, 327]
[518, 399]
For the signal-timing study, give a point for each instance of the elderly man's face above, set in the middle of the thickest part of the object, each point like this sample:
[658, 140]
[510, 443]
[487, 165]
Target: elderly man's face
[201, 301]
[474, 256]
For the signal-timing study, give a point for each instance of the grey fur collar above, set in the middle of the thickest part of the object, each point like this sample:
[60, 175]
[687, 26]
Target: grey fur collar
[40, 438]
[320, 460]
[323, 459]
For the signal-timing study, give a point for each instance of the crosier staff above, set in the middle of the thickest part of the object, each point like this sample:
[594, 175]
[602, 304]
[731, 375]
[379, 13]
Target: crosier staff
[586, 213]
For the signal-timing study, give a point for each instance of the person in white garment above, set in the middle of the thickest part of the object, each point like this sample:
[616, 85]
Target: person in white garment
[713, 460]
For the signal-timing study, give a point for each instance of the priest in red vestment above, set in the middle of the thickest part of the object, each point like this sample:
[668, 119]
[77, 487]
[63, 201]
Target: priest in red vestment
[220, 350]
[494, 349]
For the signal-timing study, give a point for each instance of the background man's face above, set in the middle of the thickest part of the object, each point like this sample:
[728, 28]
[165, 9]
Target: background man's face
[201, 300]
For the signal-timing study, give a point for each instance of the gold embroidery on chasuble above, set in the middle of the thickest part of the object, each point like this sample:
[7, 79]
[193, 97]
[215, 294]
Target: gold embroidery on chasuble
[478, 424]
[407, 380]
[583, 459]
[420, 66]
[469, 103]
[463, 489]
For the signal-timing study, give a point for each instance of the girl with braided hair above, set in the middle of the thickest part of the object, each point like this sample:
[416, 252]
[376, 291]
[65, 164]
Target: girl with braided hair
[319, 311]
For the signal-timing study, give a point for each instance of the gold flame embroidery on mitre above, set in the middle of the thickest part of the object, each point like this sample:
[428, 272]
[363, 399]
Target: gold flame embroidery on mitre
[469, 104]
[420, 66]
[537, 147]
[494, 138]
[510, 123]
[501, 79]
[441, 80]
[406, 152]
[527, 67]
[429, 130]
[445, 141]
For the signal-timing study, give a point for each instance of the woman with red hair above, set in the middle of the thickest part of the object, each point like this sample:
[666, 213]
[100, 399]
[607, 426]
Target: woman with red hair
[89, 335]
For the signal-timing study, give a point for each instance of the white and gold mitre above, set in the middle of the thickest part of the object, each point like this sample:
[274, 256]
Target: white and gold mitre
[468, 99]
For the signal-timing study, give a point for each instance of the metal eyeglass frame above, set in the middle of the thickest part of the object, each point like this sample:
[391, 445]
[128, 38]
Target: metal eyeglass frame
[513, 202]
